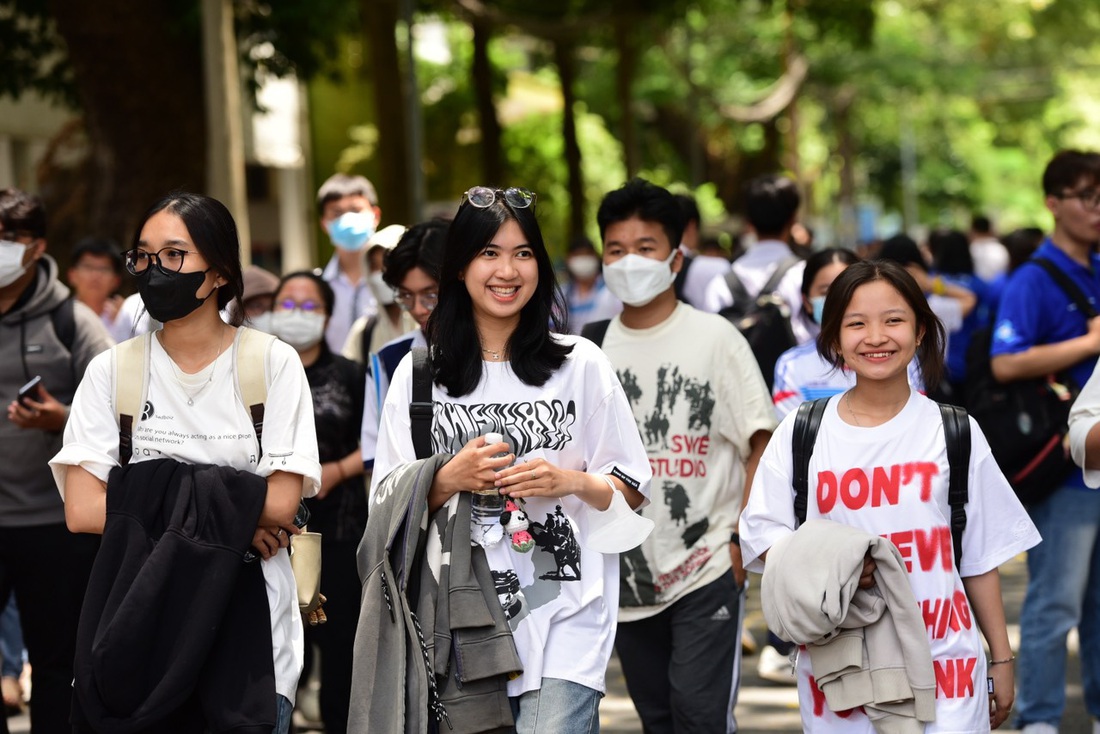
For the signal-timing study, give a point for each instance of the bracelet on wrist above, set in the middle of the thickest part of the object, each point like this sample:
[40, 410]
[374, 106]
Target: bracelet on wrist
[735, 538]
[1009, 659]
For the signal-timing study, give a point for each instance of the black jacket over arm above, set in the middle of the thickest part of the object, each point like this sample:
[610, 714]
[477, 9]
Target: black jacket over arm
[175, 632]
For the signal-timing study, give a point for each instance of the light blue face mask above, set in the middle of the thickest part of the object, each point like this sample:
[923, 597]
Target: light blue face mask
[351, 230]
[817, 303]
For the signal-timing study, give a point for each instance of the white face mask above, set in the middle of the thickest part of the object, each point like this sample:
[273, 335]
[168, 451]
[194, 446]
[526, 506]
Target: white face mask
[583, 266]
[637, 280]
[11, 262]
[381, 290]
[261, 322]
[299, 329]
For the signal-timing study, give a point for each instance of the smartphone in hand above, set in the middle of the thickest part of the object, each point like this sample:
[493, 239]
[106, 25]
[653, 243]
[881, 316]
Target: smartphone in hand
[30, 390]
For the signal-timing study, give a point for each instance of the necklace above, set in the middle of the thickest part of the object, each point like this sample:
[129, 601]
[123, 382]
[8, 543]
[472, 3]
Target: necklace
[848, 403]
[495, 355]
[178, 374]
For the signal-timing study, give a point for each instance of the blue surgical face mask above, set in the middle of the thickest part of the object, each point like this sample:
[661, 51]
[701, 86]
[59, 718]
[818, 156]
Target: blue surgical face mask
[351, 230]
[817, 303]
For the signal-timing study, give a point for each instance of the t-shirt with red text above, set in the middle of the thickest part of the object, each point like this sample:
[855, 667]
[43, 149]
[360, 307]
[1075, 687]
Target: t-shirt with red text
[697, 397]
[892, 480]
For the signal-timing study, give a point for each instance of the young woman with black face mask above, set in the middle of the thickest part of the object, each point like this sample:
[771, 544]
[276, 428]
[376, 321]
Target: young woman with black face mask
[186, 258]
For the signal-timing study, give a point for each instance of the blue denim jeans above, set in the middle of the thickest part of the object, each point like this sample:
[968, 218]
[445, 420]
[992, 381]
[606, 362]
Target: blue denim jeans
[11, 641]
[1063, 592]
[284, 709]
[558, 707]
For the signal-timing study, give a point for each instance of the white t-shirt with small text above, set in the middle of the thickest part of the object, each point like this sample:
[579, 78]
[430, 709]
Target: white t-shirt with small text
[215, 430]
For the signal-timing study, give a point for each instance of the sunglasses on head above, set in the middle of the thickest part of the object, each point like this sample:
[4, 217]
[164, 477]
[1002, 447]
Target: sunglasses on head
[483, 197]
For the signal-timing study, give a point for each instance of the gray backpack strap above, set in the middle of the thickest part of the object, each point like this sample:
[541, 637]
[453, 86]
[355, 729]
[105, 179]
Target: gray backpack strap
[252, 350]
[131, 387]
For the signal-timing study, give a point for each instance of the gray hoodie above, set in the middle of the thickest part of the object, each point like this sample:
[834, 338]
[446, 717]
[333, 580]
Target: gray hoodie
[29, 347]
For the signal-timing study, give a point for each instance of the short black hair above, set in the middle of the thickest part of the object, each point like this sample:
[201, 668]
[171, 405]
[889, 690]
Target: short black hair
[771, 203]
[420, 247]
[903, 249]
[646, 201]
[951, 252]
[689, 210]
[339, 185]
[22, 213]
[1021, 245]
[981, 224]
[328, 297]
[1067, 168]
[818, 261]
[97, 247]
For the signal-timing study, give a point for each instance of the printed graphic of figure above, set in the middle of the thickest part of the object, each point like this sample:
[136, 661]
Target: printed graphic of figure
[556, 537]
[630, 386]
[676, 497]
[507, 588]
[701, 398]
[692, 533]
[636, 583]
[656, 430]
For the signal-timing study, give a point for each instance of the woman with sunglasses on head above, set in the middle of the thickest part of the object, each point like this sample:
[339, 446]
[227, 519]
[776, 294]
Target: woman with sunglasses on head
[205, 461]
[300, 314]
[570, 459]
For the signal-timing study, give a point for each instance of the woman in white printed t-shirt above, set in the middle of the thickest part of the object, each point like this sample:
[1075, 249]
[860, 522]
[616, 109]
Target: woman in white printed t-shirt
[571, 455]
[875, 320]
[184, 252]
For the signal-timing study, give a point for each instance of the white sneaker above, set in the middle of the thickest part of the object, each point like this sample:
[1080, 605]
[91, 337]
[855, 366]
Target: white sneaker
[1042, 728]
[775, 666]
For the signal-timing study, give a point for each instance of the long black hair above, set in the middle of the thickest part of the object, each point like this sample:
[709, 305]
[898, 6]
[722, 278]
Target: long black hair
[214, 233]
[928, 326]
[456, 347]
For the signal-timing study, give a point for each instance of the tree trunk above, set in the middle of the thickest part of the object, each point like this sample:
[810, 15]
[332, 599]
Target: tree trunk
[567, 73]
[138, 74]
[482, 77]
[624, 85]
[379, 19]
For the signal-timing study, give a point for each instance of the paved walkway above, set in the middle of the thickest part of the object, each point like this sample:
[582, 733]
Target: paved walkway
[769, 707]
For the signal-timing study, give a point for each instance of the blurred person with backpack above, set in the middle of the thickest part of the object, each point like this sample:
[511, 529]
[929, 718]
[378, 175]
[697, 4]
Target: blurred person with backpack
[1043, 333]
[45, 333]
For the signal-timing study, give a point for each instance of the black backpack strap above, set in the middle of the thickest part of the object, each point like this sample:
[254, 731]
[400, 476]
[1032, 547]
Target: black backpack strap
[368, 333]
[778, 275]
[807, 421]
[595, 331]
[1067, 285]
[741, 297]
[956, 434]
[420, 409]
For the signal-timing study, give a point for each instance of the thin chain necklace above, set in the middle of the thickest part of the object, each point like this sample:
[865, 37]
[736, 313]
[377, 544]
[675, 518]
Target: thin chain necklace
[495, 355]
[848, 403]
[178, 374]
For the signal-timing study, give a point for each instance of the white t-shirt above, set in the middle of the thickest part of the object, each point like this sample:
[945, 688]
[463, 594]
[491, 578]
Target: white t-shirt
[561, 600]
[755, 268]
[892, 480]
[697, 397]
[704, 269]
[215, 430]
[802, 374]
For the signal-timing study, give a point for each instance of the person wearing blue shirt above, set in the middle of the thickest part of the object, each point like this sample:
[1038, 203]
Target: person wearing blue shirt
[1038, 331]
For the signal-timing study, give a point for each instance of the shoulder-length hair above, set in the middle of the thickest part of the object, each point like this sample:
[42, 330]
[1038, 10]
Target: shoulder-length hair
[928, 327]
[456, 347]
[214, 233]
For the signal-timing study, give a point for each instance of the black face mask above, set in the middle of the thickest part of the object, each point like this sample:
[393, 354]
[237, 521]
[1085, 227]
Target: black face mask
[171, 296]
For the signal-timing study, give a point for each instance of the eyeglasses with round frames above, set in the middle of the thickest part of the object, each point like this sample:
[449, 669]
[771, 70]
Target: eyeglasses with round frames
[516, 197]
[1089, 198]
[168, 260]
[289, 304]
[407, 300]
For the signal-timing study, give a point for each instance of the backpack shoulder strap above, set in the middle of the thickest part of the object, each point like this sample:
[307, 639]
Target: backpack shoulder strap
[63, 318]
[807, 421]
[131, 386]
[777, 277]
[252, 350]
[595, 331]
[737, 288]
[956, 434]
[420, 409]
[366, 336]
[1067, 285]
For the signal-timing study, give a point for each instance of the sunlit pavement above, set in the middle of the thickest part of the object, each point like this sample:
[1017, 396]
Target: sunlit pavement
[770, 707]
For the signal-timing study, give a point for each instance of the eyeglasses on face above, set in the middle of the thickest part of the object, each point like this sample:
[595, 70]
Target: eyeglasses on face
[307, 306]
[1090, 198]
[483, 197]
[168, 260]
[407, 299]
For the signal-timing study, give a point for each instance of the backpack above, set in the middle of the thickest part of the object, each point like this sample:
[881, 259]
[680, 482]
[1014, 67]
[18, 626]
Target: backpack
[420, 408]
[956, 434]
[132, 383]
[765, 321]
[1025, 421]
